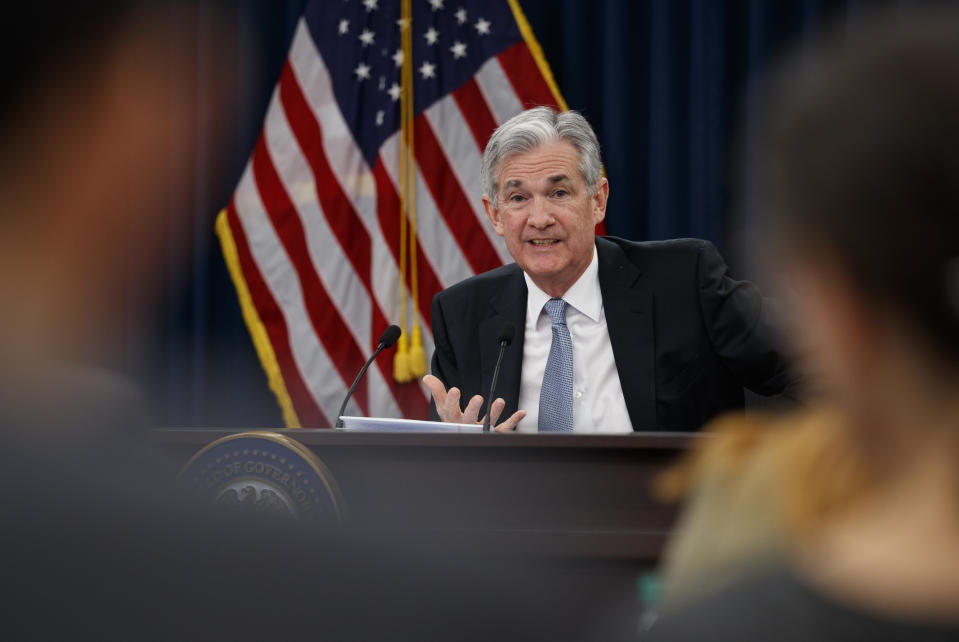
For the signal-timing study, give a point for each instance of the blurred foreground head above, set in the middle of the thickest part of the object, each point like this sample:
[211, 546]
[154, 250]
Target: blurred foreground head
[842, 523]
[100, 112]
[100, 124]
[858, 158]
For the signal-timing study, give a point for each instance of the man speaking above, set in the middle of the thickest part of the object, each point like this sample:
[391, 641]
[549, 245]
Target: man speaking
[612, 335]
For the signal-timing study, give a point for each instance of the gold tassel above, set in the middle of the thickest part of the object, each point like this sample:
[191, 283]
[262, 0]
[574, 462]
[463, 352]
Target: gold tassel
[417, 358]
[401, 361]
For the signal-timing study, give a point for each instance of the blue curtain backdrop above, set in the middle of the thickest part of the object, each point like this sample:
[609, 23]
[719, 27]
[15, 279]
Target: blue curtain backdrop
[662, 81]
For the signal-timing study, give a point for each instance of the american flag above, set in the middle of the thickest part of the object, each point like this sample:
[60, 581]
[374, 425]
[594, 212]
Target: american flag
[312, 234]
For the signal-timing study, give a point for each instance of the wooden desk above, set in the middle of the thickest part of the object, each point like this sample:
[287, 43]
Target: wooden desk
[568, 495]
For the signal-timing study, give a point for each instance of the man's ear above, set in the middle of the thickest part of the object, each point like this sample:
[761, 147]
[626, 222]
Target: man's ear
[494, 215]
[600, 197]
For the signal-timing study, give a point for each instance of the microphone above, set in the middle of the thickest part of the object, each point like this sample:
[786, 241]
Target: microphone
[505, 338]
[387, 339]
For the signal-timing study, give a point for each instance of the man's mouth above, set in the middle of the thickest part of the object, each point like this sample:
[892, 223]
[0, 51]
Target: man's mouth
[543, 242]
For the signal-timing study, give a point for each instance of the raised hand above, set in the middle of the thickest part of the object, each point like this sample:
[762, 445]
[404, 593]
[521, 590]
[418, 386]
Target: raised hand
[449, 409]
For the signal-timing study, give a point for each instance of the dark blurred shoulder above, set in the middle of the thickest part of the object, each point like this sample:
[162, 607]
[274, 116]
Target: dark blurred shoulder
[778, 604]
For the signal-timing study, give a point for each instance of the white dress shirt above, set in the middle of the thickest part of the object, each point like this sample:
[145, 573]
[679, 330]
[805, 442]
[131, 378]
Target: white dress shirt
[598, 403]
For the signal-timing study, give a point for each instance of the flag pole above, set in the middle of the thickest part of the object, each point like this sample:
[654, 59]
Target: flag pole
[401, 360]
[417, 360]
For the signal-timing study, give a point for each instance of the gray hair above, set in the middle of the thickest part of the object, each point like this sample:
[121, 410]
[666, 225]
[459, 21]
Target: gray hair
[540, 126]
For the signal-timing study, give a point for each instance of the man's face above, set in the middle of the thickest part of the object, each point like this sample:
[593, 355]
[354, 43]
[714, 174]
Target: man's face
[546, 215]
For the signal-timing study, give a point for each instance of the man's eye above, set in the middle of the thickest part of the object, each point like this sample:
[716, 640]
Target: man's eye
[517, 198]
[560, 193]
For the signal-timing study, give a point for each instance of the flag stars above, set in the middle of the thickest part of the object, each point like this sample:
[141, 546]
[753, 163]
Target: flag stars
[428, 70]
[436, 4]
[379, 118]
[482, 26]
[382, 83]
[431, 36]
[371, 5]
[362, 72]
[398, 57]
[394, 91]
[402, 23]
[459, 50]
[344, 27]
[366, 37]
[460, 16]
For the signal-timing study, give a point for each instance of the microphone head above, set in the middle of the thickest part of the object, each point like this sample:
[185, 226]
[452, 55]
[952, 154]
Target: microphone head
[390, 336]
[506, 334]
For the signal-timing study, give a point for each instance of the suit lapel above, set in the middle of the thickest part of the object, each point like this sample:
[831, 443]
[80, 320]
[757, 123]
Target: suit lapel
[509, 304]
[629, 319]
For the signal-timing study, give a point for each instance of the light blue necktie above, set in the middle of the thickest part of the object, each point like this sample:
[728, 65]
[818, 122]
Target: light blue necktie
[556, 396]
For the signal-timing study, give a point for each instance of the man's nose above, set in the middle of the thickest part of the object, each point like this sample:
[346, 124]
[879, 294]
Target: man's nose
[540, 216]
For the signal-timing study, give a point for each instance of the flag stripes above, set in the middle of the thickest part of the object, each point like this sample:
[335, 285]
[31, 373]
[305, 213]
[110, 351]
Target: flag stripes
[475, 111]
[456, 142]
[274, 322]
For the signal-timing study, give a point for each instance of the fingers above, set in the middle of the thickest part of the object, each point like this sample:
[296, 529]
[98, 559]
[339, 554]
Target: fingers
[451, 409]
[472, 411]
[437, 389]
[510, 424]
[495, 410]
[448, 406]
[447, 403]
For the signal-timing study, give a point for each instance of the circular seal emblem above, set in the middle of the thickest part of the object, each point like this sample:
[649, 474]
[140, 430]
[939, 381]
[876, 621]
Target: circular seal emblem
[266, 472]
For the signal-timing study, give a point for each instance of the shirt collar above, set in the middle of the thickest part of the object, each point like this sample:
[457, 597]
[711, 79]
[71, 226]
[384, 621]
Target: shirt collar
[584, 294]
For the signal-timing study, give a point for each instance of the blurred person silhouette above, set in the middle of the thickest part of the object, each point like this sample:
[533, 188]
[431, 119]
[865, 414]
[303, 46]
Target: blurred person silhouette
[99, 109]
[756, 487]
[846, 516]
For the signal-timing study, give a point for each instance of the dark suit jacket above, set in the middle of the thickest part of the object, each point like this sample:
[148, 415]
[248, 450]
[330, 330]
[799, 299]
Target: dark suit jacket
[686, 337]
